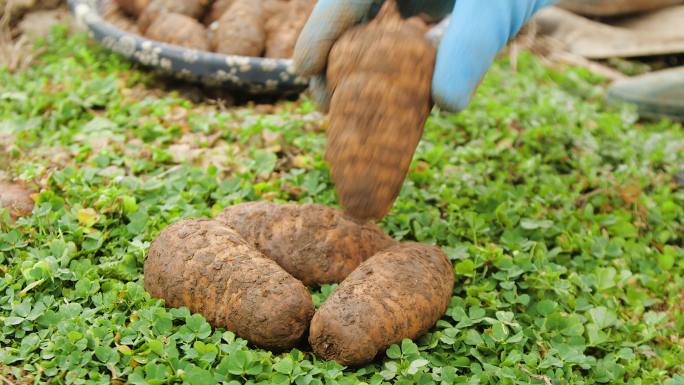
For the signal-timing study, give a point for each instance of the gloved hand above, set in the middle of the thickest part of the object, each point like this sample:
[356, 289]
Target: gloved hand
[477, 31]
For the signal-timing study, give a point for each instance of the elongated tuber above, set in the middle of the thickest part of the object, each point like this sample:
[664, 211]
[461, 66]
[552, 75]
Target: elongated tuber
[379, 76]
[240, 30]
[398, 293]
[212, 270]
[181, 30]
[315, 244]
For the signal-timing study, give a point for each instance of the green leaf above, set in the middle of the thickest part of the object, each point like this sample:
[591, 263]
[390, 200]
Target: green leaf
[465, 268]
[393, 352]
[284, 366]
[472, 337]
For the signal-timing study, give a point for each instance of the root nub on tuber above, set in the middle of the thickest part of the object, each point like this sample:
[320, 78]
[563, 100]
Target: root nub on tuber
[398, 293]
[212, 270]
[314, 243]
[379, 76]
[240, 30]
[181, 30]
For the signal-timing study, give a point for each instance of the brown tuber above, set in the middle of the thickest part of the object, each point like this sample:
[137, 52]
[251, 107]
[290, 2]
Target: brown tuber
[113, 14]
[181, 30]
[158, 8]
[132, 7]
[379, 77]
[314, 243]
[398, 293]
[218, 8]
[212, 270]
[240, 30]
[284, 26]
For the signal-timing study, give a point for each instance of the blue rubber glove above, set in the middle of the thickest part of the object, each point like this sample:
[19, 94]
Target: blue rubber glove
[477, 31]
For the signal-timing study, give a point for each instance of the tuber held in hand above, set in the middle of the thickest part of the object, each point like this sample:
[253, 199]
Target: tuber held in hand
[379, 77]
[212, 270]
[398, 293]
[240, 31]
[181, 30]
[314, 243]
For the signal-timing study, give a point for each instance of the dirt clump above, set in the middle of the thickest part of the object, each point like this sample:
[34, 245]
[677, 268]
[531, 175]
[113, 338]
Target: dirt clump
[379, 77]
[16, 198]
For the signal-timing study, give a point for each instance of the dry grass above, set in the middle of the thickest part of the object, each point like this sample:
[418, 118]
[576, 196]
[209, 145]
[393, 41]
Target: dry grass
[16, 51]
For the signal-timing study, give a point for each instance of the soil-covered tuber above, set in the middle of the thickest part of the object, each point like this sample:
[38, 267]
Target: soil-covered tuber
[398, 293]
[113, 14]
[158, 8]
[284, 26]
[133, 8]
[240, 30]
[379, 77]
[218, 8]
[212, 270]
[314, 243]
[181, 30]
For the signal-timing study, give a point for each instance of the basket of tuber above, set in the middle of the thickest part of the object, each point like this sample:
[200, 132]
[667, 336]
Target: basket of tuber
[242, 45]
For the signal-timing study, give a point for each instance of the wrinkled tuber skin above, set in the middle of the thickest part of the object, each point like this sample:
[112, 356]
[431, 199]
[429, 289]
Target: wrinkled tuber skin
[240, 31]
[379, 76]
[212, 270]
[217, 10]
[157, 8]
[398, 293]
[133, 8]
[16, 199]
[314, 243]
[285, 25]
[181, 30]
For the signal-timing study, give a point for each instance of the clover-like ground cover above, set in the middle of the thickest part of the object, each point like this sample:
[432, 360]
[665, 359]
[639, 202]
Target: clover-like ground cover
[562, 216]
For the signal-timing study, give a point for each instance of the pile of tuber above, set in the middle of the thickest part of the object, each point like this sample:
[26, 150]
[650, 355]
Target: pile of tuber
[379, 77]
[256, 28]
